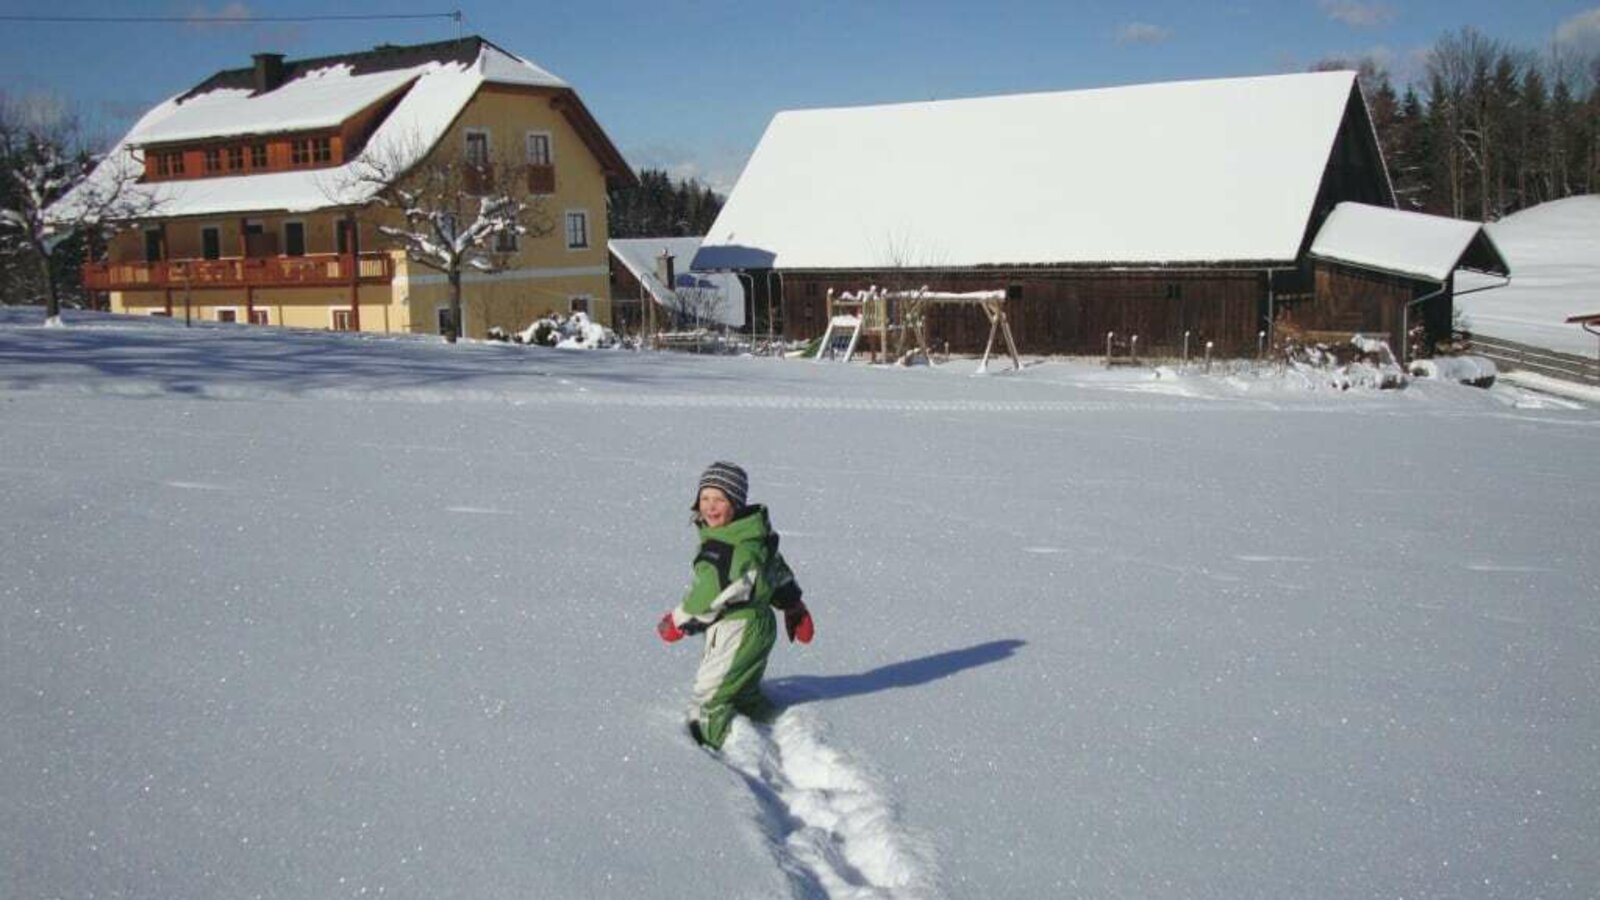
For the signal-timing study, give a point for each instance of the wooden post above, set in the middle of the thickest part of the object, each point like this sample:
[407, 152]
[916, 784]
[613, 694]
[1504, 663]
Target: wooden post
[353, 243]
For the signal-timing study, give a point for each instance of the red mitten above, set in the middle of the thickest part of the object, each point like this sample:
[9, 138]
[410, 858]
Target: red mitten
[668, 629]
[797, 621]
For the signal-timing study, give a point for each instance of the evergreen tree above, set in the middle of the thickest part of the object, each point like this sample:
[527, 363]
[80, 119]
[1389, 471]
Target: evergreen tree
[660, 207]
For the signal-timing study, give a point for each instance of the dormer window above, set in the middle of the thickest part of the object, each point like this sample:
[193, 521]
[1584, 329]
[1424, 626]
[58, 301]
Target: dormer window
[258, 156]
[213, 160]
[310, 151]
[235, 159]
[169, 164]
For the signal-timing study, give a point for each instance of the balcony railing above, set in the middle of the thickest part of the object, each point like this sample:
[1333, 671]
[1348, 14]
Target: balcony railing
[318, 270]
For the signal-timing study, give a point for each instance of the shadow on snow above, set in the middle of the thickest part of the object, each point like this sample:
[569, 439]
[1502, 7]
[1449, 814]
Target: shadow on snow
[797, 689]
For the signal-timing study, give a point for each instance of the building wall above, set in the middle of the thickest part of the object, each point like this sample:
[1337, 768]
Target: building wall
[312, 308]
[1349, 299]
[1062, 312]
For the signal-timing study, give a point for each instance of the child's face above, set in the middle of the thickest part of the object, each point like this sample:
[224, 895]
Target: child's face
[715, 508]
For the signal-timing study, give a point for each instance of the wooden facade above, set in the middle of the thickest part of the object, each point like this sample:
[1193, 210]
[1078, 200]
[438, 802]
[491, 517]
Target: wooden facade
[1064, 311]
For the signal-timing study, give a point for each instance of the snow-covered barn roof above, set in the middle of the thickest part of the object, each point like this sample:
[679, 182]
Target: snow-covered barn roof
[1189, 172]
[434, 82]
[1406, 243]
[638, 256]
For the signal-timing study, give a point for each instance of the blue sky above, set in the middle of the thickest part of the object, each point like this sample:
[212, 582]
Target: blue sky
[689, 86]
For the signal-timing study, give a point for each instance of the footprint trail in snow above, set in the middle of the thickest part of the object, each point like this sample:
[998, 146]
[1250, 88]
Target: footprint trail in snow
[829, 822]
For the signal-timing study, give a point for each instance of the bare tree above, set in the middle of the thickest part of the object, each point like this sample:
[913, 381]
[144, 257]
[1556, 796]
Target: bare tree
[458, 213]
[58, 192]
[695, 302]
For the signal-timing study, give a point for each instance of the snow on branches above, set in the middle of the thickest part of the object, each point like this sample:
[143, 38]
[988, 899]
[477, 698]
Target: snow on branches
[455, 213]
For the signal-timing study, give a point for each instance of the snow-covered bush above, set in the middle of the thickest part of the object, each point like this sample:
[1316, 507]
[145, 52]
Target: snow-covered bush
[574, 332]
[1474, 370]
[1360, 362]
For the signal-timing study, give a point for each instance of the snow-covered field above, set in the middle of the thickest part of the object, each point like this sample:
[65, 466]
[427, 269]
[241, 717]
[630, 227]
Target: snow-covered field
[1554, 252]
[320, 615]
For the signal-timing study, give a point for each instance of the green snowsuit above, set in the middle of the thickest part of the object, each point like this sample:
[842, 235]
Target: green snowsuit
[739, 576]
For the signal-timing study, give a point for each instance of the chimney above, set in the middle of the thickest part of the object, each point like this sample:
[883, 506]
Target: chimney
[268, 71]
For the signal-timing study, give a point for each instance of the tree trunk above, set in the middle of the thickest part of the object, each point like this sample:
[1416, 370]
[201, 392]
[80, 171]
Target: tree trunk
[52, 301]
[454, 331]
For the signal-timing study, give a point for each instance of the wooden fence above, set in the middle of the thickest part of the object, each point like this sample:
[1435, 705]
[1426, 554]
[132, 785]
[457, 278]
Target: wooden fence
[1512, 355]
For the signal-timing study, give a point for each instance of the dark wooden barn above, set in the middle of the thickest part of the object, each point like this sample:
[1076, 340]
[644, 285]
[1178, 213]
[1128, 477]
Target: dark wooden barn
[1152, 210]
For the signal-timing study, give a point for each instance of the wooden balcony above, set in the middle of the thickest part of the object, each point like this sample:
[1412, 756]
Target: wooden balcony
[316, 270]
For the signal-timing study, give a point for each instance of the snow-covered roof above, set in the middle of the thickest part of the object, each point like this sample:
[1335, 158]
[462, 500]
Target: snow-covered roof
[1405, 243]
[638, 256]
[1186, 172]
[321, 99]
[442, 79]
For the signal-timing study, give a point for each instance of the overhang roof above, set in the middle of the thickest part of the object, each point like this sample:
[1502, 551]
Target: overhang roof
[1412, 244]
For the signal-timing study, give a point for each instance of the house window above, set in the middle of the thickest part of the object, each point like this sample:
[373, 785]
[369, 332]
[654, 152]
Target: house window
[538, 148]
[341, 238]
[341, 319]
[309, 151]
[235, 159]
[260, 317]
[579, 304]
[211, 242]
[213, 159]
[258, 156]
[505, 241]
[152, 245]
[294, 239]
[577, 230]
[170, 164]
[1013, 292]
[227, 314]
[477, 147]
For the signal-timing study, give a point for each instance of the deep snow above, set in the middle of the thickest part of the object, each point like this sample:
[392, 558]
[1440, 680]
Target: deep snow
[321, 615]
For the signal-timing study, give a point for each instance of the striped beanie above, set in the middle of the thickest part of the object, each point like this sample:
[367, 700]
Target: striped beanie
[727, 478]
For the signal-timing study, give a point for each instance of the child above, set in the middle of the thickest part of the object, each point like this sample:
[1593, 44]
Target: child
[739, 577]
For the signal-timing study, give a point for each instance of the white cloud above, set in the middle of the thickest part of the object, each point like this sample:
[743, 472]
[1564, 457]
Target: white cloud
[1580, 35]
[1357, 14]
[1142, 33]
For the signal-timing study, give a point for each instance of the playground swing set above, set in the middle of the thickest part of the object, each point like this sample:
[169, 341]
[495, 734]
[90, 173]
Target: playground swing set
[894, 324]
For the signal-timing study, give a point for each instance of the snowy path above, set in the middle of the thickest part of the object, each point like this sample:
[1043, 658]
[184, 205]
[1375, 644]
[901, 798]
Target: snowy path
[829, 822]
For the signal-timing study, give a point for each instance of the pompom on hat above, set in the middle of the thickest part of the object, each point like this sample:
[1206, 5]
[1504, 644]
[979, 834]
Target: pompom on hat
[727, 478]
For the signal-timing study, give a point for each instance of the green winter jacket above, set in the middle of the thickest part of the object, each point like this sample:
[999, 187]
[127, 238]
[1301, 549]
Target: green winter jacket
[738, 573]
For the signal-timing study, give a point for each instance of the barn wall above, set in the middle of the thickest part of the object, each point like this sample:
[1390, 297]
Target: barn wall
[1063, 312]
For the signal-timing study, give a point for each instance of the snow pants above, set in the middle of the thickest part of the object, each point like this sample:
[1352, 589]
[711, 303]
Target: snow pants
[729, 679]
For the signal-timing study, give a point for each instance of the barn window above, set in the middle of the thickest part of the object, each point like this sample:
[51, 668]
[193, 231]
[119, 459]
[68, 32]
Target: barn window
[1013, 292]
[1174, 291]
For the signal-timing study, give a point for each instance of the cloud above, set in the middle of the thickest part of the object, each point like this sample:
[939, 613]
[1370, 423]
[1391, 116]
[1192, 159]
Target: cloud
[1357, 14]
[1142, 33]
[201, 18]
[1580, 35]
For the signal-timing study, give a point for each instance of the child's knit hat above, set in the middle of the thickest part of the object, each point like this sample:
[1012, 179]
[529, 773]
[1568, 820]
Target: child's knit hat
[727, 478]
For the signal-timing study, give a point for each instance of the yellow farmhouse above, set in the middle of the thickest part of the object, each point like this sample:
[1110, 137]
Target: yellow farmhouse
[261, 193]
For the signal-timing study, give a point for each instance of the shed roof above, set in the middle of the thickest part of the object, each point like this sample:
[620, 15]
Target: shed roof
[1196, 172]
[638, 256]
[1416, 245]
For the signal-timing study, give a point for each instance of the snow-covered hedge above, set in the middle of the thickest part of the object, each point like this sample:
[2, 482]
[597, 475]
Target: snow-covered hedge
[1474, 370]
[1360, 362]
[574, 332]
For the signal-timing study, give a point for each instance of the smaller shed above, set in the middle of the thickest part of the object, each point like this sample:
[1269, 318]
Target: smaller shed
[1384, 271]
[680, 298]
